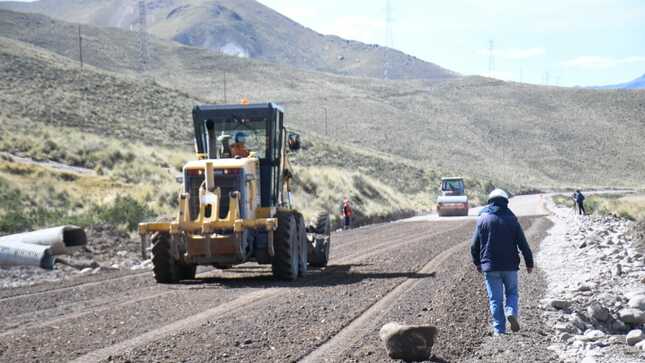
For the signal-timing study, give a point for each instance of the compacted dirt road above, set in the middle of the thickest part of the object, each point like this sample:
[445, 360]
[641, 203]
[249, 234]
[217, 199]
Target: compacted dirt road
[413, 272]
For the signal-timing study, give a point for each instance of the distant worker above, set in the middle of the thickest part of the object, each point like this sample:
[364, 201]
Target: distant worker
[494, 249]
[580, 202]
[346, 213]
[238, 149]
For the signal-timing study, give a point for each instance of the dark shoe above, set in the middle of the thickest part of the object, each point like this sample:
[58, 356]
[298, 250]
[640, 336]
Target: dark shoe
[515, 325]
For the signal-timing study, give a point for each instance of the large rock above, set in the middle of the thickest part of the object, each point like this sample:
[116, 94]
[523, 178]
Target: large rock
[598, 312]
[591, 335]
[637, 302]
[408, 342]
[632, 316]
[560, 304]
[634, 337]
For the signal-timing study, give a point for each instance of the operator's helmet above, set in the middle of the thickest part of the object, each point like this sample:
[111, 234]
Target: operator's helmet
[497, 193]
[240, 138]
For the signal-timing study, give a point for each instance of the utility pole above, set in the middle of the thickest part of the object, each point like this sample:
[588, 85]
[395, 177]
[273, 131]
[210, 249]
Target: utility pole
[80, 46]
[326, 121]
[143, 37]
[491, 58]
[389, 39]
[225, 101]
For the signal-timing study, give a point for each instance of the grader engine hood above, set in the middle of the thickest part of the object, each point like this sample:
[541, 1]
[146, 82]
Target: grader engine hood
[212, 185]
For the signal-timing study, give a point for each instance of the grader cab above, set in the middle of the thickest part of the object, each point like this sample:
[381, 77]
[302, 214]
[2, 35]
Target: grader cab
[235, 204]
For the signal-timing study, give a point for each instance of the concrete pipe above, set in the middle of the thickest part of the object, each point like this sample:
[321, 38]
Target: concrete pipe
[58, 239]
[23, 254]
[38, 248]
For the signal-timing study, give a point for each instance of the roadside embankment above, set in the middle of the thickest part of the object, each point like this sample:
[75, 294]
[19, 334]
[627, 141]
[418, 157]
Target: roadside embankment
[595, 300]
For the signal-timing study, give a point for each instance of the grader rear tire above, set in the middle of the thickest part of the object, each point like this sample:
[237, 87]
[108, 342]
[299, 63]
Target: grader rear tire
[320, 224]
[321, 228]
[285, 244]
[303, 244]
[166, 269]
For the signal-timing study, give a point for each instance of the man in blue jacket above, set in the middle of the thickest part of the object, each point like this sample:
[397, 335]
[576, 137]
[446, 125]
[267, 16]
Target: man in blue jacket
[494, 249]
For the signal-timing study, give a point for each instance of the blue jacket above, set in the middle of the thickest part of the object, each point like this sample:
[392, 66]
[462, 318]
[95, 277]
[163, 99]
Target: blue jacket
[579, 198]
[497, 238]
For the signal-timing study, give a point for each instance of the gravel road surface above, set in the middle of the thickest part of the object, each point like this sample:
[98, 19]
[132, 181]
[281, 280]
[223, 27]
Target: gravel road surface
[414, 272]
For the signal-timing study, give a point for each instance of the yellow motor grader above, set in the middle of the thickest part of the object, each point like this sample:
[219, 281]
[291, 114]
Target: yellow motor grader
[236, 205]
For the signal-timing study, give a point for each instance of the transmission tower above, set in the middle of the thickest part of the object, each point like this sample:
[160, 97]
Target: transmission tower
[389, 39]
[143, 37]
[491, 58]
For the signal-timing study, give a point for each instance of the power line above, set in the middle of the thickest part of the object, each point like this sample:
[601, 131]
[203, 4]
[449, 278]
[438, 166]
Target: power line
[491, 58]
[143, 37]
[389, 38]
[80, 46]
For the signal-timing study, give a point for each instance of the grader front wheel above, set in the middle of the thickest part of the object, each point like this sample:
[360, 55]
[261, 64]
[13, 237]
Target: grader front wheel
[167, 270]
[285, 244]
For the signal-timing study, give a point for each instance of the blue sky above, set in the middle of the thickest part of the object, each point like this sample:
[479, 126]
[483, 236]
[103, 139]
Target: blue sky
[559, 42]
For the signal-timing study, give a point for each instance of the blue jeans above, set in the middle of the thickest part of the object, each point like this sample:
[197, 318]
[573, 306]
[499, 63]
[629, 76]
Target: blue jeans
[498, 284]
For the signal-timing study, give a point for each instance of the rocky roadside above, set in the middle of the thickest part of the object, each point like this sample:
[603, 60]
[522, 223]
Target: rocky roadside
[595, 300]
[109, 249]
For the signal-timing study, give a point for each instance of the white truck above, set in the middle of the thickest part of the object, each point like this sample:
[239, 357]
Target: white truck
[453, 200]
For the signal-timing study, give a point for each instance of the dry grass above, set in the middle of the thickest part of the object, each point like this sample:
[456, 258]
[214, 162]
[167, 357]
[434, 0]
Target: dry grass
[515, 134]
[630, 206]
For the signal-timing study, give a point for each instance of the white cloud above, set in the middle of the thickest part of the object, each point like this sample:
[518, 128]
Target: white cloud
[514, 53]
[595, 62]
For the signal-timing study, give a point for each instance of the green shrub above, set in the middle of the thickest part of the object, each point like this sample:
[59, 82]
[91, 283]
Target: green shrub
[125, 210]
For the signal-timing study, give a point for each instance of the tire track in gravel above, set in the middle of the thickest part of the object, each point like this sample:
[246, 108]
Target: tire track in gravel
[363, 323]
[289, 324]
[252, 299]
[362, 338]
[357, 236]
[48, 317]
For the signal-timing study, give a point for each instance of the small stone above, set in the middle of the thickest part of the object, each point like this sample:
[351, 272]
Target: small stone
[248, 341]
[641, 345]
[598, 312]
[634, 337]
[632, 316]
[617, 270]
[408, 342]
[592, 335]
[584, 287]
[637, 302]
[566, 327]
[560, 304]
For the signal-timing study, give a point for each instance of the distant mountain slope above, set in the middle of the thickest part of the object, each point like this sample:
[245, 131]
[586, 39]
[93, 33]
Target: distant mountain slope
[513, 134]
[243, 28]
[638, 83]
[136, 135]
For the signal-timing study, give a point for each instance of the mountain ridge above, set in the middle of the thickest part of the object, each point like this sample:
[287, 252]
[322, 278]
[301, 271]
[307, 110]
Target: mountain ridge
[244, 28]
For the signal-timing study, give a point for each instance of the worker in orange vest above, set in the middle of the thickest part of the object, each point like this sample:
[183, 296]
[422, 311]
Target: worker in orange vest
[238, 149]
[346, 214]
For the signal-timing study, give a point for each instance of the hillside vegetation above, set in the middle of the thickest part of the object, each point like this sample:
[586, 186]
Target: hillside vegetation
[242, 28]
[513, 134]
[132, 139]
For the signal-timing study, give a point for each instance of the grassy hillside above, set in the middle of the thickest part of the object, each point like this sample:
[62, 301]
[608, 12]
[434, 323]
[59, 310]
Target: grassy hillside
[513, 134]
[245, 28]
[95, 121]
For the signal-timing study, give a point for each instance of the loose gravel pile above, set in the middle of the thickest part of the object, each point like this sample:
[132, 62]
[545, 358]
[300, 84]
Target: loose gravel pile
[596, 289]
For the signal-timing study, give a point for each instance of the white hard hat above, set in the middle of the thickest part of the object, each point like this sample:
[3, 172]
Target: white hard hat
[497, 193]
